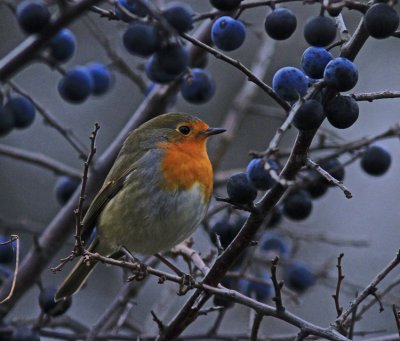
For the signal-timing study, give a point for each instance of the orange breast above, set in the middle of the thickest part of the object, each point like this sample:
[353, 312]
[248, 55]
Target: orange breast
[186, 164]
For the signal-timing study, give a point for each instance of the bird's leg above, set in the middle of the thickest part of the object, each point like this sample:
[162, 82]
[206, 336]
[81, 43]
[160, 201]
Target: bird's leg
[187, 281]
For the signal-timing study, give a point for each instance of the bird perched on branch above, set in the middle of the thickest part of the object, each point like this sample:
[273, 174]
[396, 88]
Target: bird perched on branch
[155, 195]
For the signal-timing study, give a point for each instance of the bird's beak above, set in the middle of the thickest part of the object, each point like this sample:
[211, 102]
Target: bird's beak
[213, 131]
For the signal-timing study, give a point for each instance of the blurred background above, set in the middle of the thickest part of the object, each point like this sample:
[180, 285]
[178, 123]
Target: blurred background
[372, 214]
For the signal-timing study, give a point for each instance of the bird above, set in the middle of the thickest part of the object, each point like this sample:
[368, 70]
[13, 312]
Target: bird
[155, 195]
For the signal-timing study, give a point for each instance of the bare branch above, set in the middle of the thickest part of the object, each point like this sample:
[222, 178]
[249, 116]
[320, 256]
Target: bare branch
[40, 160]
[340, 278]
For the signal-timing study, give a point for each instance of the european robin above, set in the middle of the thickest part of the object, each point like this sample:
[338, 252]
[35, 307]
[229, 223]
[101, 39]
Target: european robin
[155, 195]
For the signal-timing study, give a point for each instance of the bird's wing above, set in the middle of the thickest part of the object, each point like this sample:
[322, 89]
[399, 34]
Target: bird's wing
[112, 185]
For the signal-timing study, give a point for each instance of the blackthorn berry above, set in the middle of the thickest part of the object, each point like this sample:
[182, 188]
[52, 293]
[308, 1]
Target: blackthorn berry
[341, 74]
[197, 86]
[309, 116]
[298, 276]
[381, 21]
[240, 190]
[172, 59]
[290, 83]
[275, 245]
[62, 46]
[314, 61]
[142, 39]
[259, 177]
[320, 31]
[297, 205]
[33, 15]
[227, 33]
[376, 160]
[22, 109]
[280, 23]
[102, 78]
[179, 16]
[65, 187]
[77, 85]
[342, 111]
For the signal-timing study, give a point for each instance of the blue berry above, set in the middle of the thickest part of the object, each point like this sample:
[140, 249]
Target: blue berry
[65, 187]
[173, 59]
[297, 205]
[225, 5]
[133, 6]
[197, 86]
[240, 190]
[225, 230]
[227, 33]
[179, 16]
[290, 83]
[77, 85]
[261, 291]
[142, 39]
[33, 15]
[309, 116]
[381, 21]
[342, 111]
[334, 12]
[155, 73]
[49, 306]
[320, 31]
[314, 61]
[298, 276]
[6, 250]
[259, 177]
[341, 74]
[7, 121]
[376, 161]
[63, 45]
[280, 24]
[275, 245]
[22, 109]
[102, 78]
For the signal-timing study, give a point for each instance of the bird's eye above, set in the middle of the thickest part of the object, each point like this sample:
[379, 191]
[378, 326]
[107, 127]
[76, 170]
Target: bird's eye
[184, 130]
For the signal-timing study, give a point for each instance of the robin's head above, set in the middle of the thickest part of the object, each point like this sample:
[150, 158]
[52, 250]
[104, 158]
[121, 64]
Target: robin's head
[177, 128]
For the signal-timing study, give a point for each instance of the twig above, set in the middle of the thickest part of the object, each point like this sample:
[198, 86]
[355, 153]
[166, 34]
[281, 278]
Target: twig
[117, 62]
[352, 322]
[373, 293]
[344, 32]
[237, 64]
[277, 286]
[52, 121]
[274, 143]
[16, 269]
[324, 238]
[371, 96]
[330, 178]
[188, 252]
[340, 278]
[396, 317]
[16, 59]
[40, 160]
[256, 326]
[341, 320]
[157, 320]
[79, 211]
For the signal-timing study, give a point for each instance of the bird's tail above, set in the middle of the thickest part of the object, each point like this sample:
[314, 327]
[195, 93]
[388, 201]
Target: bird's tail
[78, 276]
